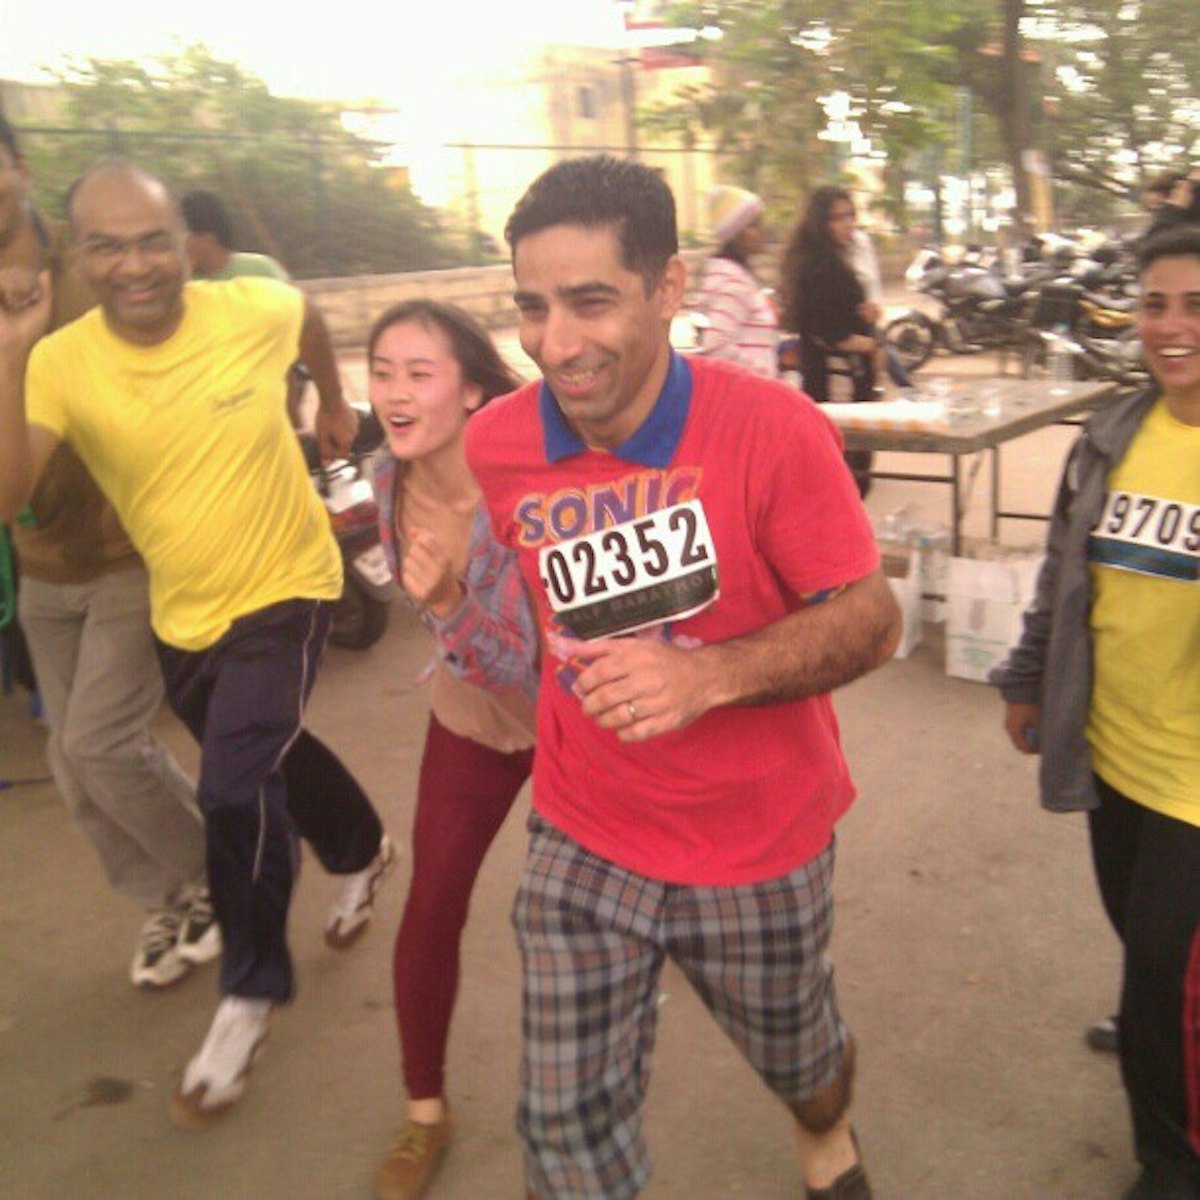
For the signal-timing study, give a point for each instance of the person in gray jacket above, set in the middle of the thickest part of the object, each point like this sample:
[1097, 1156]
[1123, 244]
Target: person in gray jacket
[1105, 683]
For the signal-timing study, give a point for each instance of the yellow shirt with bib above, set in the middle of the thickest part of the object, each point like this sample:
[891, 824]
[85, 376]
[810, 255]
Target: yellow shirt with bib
[190, 441]
[1144, 559]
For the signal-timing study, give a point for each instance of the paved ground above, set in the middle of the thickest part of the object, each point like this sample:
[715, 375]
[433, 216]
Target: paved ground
[971, 953]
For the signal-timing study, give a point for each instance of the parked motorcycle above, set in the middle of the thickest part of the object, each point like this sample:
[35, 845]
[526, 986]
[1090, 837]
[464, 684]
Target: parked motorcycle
[977, 310]
[1097, 332]
[360, 616]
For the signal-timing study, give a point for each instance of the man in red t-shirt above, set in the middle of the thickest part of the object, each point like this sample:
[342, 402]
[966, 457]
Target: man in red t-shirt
[703, 575]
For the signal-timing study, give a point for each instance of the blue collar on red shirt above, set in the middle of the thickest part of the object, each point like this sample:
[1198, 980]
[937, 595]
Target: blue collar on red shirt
[652, 444]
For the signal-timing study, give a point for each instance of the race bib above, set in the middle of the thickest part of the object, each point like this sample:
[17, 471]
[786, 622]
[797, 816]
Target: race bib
[617, 580]
[1149, 535]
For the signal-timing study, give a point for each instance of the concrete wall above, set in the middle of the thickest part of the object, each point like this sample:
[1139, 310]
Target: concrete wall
[351, 304]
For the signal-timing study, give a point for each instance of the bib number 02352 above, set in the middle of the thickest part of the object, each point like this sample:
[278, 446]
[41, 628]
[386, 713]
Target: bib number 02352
[660, 567]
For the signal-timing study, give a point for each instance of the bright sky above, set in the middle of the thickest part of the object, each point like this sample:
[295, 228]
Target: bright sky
[405, 53]
[419, 58]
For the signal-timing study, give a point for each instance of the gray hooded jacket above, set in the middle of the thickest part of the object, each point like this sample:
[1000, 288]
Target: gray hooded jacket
[1052, 664]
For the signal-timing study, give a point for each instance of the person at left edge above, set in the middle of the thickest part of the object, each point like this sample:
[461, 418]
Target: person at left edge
[172, 395]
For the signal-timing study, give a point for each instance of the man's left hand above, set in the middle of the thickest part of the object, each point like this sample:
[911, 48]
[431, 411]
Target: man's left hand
[337, 425]
[640, 689]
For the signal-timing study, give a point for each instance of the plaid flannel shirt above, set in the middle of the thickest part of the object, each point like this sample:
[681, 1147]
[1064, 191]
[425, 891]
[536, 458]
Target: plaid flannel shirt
[492, 640]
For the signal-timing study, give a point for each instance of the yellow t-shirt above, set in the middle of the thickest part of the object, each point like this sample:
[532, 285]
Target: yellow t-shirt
[1144, 554]
[190, 441]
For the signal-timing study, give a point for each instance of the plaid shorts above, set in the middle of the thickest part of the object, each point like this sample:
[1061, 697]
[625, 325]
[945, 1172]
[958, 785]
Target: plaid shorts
[593, 941]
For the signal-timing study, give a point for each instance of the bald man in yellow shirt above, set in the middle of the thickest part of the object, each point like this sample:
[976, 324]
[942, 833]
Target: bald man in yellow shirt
[172, 394]
[84, 609]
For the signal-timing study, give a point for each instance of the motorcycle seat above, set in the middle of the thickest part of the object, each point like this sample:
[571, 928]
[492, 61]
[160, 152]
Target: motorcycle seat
[1119, 304]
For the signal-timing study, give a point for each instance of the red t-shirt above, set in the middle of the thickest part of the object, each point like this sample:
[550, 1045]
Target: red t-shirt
[742, 794]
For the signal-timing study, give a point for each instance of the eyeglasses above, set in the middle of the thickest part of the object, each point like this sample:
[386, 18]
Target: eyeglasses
[158, 244]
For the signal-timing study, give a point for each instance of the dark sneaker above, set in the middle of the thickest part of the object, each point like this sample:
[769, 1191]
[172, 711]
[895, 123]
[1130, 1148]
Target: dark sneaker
[157, 963]
[849, 1185]
[1161, 1182]
[1104, 1036]
[413, 1160]
[199, 934]
[355, 903]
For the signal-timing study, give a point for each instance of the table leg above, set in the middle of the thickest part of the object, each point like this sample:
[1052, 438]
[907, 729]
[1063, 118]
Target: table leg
[955, 506]
[995, 493]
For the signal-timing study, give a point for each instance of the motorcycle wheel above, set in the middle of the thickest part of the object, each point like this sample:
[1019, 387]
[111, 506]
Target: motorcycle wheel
[359, 620]
[911, 337]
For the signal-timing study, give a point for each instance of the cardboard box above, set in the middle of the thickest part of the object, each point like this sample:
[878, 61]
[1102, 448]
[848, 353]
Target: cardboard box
[986, 599]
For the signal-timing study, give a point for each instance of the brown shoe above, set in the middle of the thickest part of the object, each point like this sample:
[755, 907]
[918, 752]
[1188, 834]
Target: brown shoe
[413, 1160]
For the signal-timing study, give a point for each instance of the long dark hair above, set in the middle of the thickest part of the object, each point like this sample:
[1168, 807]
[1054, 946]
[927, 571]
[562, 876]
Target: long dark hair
[476, 352]
[811, 243]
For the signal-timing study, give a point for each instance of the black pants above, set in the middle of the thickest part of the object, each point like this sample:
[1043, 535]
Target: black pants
[817, 366]
[263, 780]
[1148, 868]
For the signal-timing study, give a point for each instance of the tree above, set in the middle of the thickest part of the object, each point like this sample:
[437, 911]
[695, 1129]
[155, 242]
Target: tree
[1103, 89]
[1120, 80]
[299, 185]
[780, 63]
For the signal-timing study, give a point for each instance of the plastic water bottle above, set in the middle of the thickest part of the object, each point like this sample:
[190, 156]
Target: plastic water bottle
[1060, 361]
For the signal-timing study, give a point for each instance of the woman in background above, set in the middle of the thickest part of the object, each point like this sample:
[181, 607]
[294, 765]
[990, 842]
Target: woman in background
[825, 303]
[742, 324]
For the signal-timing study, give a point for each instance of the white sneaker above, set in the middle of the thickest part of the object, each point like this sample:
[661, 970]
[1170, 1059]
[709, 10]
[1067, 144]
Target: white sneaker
[216, 1077]
[199, 934]
[157, 963]
[355, 903]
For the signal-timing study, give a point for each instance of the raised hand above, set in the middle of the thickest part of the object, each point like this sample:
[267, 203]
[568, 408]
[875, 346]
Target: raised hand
[24, 309]
[427, 574]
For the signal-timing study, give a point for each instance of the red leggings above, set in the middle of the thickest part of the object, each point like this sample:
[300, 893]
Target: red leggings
[464, 793]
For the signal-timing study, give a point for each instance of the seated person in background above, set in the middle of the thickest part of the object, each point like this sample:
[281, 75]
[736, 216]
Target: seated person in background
[823, 302]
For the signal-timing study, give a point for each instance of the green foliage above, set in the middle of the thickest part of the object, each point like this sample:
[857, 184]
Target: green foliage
[1121, 84]
[897, 60]
[297, 183]
[1106, 88]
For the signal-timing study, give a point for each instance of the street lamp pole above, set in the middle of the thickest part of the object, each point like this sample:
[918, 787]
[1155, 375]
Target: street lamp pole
[626, 63]
[629, 102]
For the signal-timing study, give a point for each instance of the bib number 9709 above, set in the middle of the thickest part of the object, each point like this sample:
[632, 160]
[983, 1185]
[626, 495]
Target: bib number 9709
[662, 566]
